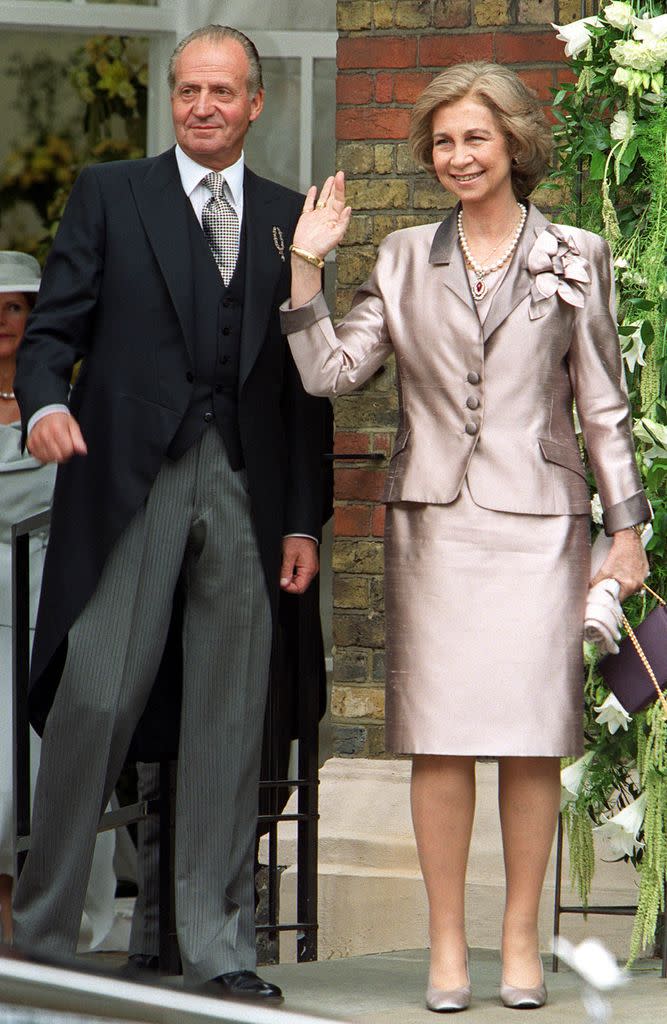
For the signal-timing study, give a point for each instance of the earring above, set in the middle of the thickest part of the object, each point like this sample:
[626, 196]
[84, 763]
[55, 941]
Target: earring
[515, 162]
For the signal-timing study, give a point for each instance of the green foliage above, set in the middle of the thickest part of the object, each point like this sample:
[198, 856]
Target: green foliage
[109, 75]
[611, 141]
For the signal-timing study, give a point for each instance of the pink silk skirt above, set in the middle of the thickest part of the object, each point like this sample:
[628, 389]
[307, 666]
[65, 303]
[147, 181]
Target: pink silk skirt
[485, 618]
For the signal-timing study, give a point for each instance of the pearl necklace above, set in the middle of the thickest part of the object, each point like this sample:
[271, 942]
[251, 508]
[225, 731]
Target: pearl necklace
[479, 288]
[9, 395]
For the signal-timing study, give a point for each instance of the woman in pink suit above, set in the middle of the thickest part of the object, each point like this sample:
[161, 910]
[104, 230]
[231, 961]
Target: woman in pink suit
[498, 321]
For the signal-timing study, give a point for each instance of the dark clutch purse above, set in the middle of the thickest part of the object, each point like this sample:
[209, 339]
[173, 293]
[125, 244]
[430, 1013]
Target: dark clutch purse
[637, 675]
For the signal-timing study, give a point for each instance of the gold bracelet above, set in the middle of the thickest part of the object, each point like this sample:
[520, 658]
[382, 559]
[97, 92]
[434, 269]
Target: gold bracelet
[309, 257]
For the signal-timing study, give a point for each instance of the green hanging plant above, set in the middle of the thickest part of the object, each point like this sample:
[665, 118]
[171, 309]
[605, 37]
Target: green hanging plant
[611, 140]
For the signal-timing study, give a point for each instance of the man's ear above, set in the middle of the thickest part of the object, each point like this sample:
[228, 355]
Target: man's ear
[256, 105]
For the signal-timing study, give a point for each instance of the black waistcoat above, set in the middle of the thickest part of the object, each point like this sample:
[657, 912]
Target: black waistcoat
[218, 314]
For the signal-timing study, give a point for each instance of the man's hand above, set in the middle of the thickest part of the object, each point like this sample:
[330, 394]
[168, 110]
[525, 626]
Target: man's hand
[56, 438]
[300, 564]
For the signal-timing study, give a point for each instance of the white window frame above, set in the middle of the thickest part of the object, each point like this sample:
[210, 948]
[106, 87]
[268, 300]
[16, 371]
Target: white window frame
[164, 24]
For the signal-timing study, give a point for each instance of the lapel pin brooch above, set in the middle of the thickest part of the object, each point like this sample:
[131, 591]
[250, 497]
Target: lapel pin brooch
[279, 242]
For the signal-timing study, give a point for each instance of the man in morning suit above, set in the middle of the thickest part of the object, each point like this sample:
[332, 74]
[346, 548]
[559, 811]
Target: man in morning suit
[190, 457]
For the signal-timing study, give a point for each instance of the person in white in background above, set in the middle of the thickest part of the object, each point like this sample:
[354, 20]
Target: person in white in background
[26, 486]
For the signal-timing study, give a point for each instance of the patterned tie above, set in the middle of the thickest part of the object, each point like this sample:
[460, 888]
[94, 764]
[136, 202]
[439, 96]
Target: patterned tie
[221, 226]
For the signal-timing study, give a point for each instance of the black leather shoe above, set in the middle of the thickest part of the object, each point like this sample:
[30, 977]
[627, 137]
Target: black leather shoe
[144, 962]
[243, 985]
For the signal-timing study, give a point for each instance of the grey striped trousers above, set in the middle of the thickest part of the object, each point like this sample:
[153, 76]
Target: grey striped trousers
[196, 526]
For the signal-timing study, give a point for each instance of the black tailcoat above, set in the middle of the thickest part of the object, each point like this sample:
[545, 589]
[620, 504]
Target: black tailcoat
[117, 293]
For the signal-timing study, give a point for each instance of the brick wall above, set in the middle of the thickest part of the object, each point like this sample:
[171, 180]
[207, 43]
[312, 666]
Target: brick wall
[387, 52]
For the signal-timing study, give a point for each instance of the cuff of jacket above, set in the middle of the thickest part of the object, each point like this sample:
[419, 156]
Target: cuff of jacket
[634, 509]
[293, 320]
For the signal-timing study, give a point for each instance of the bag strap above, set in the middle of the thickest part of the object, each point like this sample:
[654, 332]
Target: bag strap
[659, 599]
[640, 652]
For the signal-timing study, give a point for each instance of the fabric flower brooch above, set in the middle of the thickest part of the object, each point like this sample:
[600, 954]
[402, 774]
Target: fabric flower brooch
[558, 268]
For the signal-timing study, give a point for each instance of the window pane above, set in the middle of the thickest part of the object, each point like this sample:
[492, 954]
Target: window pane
[272, 145]
[132, 3]
[324, 119]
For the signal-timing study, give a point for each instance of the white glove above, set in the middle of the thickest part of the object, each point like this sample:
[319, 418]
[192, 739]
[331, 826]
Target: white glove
[603, 615]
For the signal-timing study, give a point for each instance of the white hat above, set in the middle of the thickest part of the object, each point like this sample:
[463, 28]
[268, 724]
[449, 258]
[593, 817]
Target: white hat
[19, 272]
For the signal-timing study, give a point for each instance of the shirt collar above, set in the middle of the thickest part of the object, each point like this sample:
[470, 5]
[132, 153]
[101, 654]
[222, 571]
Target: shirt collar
[192, 173]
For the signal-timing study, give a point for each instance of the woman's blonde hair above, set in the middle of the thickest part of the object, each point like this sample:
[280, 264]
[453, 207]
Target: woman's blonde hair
[515, 107]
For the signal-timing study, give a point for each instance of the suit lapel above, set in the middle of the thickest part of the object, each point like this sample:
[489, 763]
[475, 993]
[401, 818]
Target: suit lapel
[262, 211]
[163, 208]
[445, 252]
[517, 282]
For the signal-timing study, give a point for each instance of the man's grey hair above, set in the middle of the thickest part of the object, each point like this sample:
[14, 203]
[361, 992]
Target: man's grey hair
[217, 33]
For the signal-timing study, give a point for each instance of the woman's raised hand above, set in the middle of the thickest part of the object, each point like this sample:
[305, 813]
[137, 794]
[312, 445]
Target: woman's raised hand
[324, 222]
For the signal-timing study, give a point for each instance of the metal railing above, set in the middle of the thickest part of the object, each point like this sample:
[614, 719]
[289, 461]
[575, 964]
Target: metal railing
[619, 911]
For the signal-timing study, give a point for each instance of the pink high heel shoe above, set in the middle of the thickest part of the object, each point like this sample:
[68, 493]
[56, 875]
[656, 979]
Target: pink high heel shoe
[443, 1000]
[524, 998]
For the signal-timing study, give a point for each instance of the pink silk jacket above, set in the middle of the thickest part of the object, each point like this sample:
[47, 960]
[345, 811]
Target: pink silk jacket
[492, 403]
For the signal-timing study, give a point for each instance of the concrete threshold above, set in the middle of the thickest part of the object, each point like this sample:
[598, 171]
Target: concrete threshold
[389, 988]
[380, 988]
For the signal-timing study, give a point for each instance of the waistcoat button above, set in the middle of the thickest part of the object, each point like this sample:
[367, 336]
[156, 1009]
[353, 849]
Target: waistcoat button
[472, 402]
[473, 378]
[471, 428]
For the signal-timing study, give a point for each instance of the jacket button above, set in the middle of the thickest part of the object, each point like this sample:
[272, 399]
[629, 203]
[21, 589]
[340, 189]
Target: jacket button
[226, 330]
[473, 378]
[208, 417]
[218, 389]
[189, 377]
[471, 427]
[224, 360]
[472, 402]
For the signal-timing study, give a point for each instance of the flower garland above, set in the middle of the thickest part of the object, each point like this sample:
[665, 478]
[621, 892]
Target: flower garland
[611, 138]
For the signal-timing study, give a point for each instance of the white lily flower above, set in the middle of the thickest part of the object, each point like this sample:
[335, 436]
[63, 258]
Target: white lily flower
[622, 128]
[572, 777]
[576, 35]
[620, 15]
[634, 348]
[592, 962]
[651, 27]
[612, 714]
[620, 832]
[654, 434]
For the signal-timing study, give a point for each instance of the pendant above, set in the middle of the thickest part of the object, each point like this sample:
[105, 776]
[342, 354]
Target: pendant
[479, 289]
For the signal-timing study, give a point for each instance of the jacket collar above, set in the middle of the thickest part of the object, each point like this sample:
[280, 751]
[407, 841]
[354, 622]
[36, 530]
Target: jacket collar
[446, 252]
